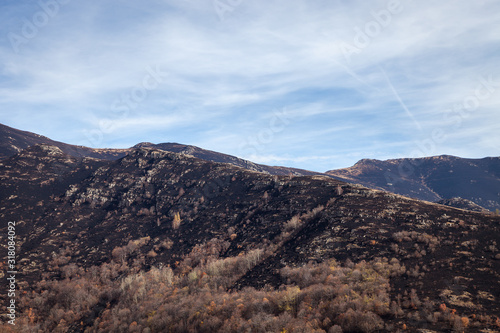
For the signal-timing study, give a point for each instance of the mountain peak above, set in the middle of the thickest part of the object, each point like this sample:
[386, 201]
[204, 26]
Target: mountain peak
[144, 144]
[367, 161]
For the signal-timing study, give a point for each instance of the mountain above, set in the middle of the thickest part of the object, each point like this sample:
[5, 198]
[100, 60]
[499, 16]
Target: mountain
[432, 178]
[13, 141]
[162, 241]
[212, 156]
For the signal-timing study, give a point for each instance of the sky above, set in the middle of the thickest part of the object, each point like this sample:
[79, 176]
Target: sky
[312, 84]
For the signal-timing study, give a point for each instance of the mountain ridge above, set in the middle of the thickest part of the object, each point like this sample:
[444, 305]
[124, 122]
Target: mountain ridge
[411, 177]
[432, 178]
[13, 141]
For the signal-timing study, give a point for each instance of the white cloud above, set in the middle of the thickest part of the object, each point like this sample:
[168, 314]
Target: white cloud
[230, 75]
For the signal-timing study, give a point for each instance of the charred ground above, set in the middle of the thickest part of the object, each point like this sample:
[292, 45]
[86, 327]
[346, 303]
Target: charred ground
[221, 229]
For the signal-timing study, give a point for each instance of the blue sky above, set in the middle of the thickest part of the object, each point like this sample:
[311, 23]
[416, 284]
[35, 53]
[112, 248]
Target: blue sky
[310, 84]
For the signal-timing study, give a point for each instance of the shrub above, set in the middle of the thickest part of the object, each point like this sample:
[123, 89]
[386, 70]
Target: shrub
[335, 329]
[176, 222]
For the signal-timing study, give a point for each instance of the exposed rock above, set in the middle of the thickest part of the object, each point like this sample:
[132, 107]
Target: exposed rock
[462, 204]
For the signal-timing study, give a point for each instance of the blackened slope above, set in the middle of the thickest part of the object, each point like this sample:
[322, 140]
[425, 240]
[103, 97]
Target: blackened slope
[31, 180]
[140, 194]
[13, 141]
[432, 178]
[449, 254]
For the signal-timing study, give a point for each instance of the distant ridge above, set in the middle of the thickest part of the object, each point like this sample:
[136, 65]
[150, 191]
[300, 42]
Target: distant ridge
[431, 178]
[13, 141]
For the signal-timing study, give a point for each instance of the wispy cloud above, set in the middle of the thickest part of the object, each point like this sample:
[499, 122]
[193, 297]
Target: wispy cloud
[226, 77]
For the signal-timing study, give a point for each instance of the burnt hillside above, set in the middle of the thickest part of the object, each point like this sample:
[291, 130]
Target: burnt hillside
[221, 227]
[431, 178]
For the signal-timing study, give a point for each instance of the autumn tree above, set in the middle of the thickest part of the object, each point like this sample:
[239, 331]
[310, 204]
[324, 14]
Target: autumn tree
[177, 221]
